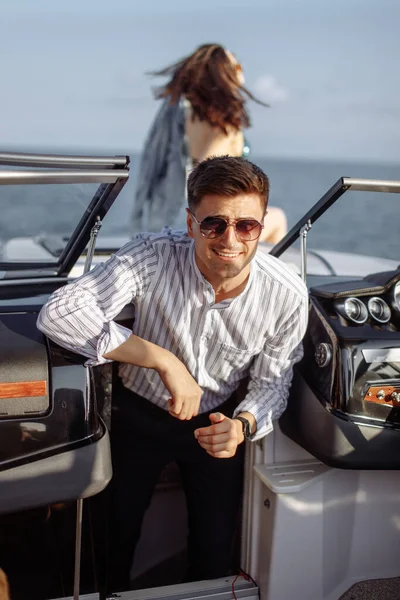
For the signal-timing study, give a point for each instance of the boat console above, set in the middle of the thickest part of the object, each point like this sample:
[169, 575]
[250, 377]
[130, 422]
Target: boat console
[348, 414]
[345, 403]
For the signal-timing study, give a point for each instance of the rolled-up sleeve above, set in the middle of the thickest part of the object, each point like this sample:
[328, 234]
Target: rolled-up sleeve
[272, 372]
[79, 316]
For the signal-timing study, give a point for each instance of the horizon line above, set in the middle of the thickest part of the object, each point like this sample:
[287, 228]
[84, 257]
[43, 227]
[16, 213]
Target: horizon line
[87, 150]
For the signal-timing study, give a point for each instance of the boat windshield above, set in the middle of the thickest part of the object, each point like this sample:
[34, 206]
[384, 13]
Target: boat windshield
[354, 229]
[38, 220]
[49, 206]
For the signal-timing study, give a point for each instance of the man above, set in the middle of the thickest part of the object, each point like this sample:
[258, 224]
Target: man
[210, 312]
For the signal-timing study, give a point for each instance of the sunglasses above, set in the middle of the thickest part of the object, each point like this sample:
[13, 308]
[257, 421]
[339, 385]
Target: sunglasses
[247, 230]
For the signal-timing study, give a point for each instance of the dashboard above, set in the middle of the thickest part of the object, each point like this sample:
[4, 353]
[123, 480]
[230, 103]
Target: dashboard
[346, 389]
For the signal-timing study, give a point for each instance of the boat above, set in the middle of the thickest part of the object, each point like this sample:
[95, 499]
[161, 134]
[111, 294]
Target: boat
[322, 492]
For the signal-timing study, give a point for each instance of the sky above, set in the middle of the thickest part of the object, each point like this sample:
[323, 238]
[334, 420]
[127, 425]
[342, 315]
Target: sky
[73, 72]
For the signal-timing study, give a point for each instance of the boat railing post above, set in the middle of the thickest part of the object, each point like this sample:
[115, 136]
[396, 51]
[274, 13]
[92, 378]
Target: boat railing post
[78, 547]
[79, 503]
[92, 244]
[303, 249]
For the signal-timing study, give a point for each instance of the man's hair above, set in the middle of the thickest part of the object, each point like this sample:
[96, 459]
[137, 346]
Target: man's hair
[226, 176]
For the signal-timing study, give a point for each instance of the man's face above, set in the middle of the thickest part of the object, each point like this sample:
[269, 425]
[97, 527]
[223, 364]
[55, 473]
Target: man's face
[224, 257]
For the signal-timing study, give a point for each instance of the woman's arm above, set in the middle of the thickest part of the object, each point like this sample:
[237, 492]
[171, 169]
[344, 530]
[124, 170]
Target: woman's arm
[275, 225]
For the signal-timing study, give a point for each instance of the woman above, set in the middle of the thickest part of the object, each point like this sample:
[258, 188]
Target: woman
[203, 114]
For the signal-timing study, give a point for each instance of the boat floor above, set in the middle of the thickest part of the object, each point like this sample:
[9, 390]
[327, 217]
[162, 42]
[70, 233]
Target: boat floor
[168, 572]
[171, 570]
[374, 589]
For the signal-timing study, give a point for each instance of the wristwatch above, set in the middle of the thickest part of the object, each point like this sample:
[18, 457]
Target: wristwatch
[246, 427]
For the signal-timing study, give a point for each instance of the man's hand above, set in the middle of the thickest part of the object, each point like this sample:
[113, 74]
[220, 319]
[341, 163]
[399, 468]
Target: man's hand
[222, 438]
[185, 392]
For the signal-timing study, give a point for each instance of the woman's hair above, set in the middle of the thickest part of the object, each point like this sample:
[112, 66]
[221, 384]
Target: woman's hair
[226, 176]
[208, 78]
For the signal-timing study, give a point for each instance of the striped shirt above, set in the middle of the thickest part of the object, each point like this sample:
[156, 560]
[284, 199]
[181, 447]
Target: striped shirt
[257, 334]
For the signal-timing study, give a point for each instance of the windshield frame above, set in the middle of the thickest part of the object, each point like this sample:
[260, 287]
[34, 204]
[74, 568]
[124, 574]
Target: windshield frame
[342, 185]
[111, 173]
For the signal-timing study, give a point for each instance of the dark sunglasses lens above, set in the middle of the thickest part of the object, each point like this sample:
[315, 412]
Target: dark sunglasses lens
[248, 229]
[213, 227]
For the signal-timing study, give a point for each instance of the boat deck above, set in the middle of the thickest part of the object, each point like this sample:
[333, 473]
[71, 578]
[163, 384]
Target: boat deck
[374, 589]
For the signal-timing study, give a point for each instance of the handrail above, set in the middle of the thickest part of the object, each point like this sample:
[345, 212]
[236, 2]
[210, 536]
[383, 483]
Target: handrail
[10, 177]
[372, 185]
[62, 161]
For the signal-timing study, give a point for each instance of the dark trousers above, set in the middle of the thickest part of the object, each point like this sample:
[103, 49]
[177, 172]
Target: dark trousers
[144, 439]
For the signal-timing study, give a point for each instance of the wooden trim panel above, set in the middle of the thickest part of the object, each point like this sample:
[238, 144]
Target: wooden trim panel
[374, 394]
[23, 389]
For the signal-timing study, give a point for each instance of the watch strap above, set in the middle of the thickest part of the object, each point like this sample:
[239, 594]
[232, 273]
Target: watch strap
[246, 426]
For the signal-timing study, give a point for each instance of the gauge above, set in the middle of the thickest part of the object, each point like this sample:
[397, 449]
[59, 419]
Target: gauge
[379, 309]
[323, 354]
[355, 310]
[352, 309]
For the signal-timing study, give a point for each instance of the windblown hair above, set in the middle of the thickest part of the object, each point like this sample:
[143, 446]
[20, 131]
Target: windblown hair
[209, 80]
[226, 176]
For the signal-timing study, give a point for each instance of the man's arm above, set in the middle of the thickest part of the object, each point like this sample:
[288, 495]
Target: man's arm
[185, 392]
[268, 390]
[79, 317]
[272, 372]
